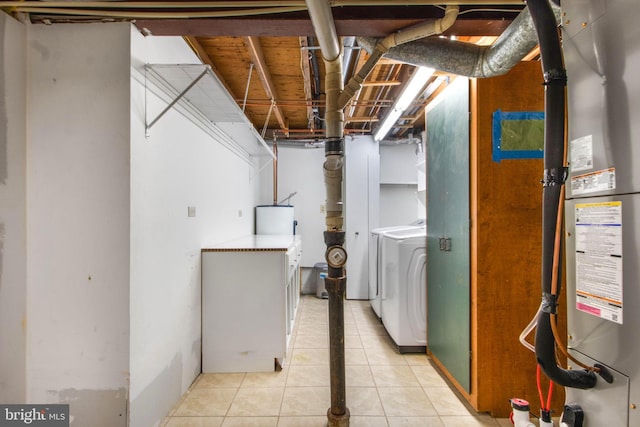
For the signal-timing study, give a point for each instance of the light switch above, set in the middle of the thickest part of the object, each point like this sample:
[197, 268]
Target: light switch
[191, 211]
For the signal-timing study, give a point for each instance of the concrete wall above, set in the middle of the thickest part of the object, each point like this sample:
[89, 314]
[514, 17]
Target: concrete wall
[177, 166]
[300, 171]
[78, 221]
[100, 281]
[13, 233]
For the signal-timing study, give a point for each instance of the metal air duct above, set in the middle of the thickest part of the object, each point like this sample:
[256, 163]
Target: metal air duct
[468, 59]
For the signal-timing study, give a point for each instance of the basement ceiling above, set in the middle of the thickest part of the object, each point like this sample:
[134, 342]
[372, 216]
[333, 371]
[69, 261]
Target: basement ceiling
[267, 55]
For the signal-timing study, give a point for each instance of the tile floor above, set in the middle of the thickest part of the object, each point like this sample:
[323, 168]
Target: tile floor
[384, 387]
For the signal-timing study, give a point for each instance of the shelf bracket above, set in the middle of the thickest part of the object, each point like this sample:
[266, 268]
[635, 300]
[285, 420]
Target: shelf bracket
[178, 98]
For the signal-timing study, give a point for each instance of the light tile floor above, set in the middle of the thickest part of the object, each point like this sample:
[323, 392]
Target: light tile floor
[384, 387]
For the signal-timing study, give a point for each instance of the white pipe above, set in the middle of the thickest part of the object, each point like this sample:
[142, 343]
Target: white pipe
[527, 330]
[122, 14]
[330, 47]
[425, 29]
[244, 3]
[325, 28]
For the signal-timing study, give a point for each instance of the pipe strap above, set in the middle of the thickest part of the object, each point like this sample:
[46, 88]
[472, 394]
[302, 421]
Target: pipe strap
[555, 176]
[334, 238]
[334, 146]
[555, 76]
[549, 303]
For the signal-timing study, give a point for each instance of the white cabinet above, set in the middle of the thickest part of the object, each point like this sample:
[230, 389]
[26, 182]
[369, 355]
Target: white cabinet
[362, 171]
[250, 295]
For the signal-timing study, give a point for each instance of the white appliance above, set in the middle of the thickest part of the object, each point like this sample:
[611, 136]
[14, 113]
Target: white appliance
[376, 262]
[275, 220]
[403, 302]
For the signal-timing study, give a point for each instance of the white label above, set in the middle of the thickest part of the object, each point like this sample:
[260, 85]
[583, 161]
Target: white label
[593, 182]
[581, 153]
[599, 260]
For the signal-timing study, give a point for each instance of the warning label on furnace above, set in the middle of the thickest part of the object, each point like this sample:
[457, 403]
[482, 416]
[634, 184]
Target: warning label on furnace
[599, 259]
[593, 182]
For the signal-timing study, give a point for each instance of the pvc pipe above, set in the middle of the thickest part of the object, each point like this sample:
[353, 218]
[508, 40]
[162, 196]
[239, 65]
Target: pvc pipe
[423, 30]
[468, 59]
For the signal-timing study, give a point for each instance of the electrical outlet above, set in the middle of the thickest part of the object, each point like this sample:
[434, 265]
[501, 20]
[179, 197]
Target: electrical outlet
[322, 209]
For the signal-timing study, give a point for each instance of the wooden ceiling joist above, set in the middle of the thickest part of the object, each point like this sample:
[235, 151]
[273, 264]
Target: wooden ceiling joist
[257, 56]
[206, 59]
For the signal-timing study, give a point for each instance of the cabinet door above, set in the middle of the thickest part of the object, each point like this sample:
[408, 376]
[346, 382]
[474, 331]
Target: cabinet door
[361, 159]
[448, 309]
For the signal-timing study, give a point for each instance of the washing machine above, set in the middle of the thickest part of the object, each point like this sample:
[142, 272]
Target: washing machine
[403, 297]
[376, 262]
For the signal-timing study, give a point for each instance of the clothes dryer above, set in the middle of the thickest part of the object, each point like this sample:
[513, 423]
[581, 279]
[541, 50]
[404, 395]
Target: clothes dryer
[403, 300]
[376, 262]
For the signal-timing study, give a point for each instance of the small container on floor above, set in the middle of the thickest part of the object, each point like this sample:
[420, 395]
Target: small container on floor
[321, 270]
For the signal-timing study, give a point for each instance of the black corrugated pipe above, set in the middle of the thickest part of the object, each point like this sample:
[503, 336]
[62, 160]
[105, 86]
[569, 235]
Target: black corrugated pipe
[555, 81]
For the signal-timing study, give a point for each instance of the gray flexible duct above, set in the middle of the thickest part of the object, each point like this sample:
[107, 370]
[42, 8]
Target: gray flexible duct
[468, 59]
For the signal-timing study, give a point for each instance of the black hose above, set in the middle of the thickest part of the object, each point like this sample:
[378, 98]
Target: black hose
[554, 176]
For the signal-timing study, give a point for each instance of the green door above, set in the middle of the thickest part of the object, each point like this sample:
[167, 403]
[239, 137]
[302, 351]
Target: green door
[448, 308]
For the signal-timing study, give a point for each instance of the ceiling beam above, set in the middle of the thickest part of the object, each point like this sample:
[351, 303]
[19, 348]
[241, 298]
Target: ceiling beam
[302, 27]
[257, 56]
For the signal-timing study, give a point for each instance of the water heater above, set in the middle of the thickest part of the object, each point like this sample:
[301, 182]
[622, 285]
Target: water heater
[275, 219]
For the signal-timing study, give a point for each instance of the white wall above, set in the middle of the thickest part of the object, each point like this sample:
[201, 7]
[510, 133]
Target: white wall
[398, 185]
[398, 164]
[300, 170]
[398, 204]
[13, 235]
[78, 221]
[177, 166]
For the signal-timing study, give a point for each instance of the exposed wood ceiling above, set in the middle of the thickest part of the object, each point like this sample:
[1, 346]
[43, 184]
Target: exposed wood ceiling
[271, 63]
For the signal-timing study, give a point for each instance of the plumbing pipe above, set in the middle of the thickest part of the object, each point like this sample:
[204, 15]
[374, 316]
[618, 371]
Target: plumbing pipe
[334, 237]
[527, 330]
[554, 176]
[468, 59]
[131, 14]
[422, 30]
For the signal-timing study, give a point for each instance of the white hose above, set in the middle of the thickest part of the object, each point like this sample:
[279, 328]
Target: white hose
[527, 330]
